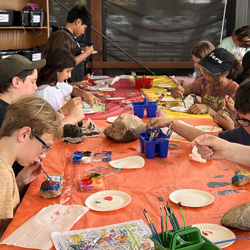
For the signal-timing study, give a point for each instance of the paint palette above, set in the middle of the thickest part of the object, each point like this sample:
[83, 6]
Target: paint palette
[216, 233]
[130, 162]
[108, 200]
[209, 129]
[179, 109]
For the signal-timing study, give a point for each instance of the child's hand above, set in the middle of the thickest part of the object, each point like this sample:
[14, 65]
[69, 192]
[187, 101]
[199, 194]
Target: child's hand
[178, 91]
[90, 99]
[70, 105]
[228, 104]
[198, 109]
[223, 120]
[28, 174]
[88, 50]
[76, 114]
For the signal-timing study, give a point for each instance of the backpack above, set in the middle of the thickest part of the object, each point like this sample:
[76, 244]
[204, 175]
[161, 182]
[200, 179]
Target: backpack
[32, 15]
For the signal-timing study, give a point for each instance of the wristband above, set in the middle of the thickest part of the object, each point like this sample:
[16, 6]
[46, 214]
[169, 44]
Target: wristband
[207, 109]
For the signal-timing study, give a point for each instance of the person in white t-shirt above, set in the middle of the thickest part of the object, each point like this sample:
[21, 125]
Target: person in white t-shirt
[51, 87]
[238, 43]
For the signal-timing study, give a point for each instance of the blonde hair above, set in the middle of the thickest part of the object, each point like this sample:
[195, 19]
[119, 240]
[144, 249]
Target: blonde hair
[34, 112]
[202, 49]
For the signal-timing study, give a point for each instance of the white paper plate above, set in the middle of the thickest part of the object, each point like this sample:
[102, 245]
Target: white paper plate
[89, 111]
[191, 197]
[106, 89]
[128, 162]
[207, 128]
[115, 98]
[163, 86]
[168, 99]
[108, 200]
[179, 109]
[216, 233]
[112, 119]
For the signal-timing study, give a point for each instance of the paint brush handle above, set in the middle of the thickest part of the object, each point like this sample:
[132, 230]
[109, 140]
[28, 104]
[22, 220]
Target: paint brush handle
[45, 172]
[225, 241]
[190, 142]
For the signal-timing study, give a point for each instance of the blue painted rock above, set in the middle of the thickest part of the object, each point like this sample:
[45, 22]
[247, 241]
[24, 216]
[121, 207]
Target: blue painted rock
[50, 189]
[241, 178]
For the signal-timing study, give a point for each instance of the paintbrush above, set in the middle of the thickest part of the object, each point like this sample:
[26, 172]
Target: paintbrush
[168, 139]
[183, 218]
[162, 227]
[224, 241]
[134, 75]
[159, 99]
[169, 129]
[182, 97]
[45, 172]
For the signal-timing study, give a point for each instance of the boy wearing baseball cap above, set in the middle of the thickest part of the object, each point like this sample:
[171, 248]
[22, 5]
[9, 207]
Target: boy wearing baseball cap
[219, 67]
[18, 77]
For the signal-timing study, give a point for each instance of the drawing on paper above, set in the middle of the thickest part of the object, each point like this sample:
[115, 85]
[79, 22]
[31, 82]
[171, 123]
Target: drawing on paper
[133, 235]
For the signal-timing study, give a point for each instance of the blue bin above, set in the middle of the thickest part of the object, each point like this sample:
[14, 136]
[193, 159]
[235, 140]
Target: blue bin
[151, 109]
[158, 146]
[139, 107]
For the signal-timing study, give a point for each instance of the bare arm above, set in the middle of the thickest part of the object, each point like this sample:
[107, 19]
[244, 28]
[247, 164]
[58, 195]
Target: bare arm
[214, 148]
[87, 51]
[188, 132]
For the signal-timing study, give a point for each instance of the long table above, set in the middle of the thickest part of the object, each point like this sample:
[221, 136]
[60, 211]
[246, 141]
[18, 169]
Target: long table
[146, 186]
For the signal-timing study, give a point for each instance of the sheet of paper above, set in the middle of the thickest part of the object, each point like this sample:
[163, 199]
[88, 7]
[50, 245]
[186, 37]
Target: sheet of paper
[130, 235]
[36, 232]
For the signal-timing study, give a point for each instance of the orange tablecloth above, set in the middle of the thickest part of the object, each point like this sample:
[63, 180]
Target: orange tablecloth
[158, 178]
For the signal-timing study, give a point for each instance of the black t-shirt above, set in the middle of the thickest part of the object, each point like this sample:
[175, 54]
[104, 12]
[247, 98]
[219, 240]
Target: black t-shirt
[77, 74]
[3, 109]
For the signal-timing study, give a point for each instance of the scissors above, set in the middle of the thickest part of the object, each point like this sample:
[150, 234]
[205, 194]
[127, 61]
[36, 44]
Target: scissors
[91, 245]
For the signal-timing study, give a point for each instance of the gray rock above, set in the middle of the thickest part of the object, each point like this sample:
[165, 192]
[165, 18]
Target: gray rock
[238, 217]
[125, 128]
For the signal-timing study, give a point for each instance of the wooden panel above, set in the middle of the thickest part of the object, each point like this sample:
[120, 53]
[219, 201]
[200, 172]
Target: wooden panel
[96, 12]
[150, 65]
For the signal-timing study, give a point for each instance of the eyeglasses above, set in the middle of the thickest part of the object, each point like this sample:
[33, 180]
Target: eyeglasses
[46, 146]
[242, 121]
[203, 71]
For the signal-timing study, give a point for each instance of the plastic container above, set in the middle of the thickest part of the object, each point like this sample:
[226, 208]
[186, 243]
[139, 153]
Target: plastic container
[139, 83]
[139, 107]
[82, 157]
[185, 239]
[6, 53]
[6, 17]
[31, 54]
[93, 181]
[157, 146]
[144, 82]
[32, 18]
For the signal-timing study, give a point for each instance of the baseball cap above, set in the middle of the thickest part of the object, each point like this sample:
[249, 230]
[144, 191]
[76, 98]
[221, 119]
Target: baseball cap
[15, 64]
[217, 61]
